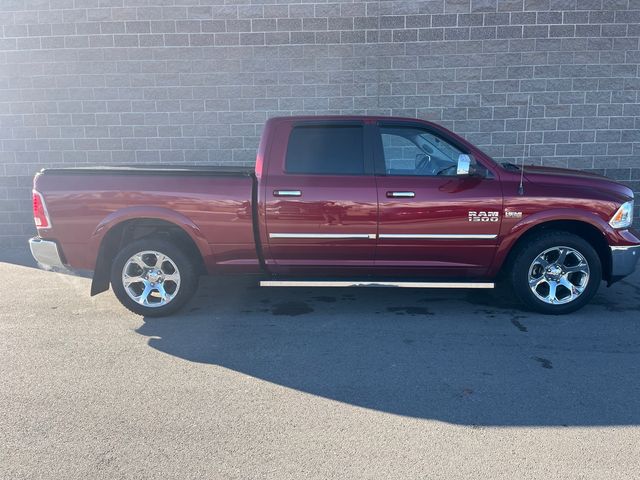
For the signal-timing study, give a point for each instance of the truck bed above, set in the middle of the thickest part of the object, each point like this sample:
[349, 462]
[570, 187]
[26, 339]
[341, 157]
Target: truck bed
[213, 204]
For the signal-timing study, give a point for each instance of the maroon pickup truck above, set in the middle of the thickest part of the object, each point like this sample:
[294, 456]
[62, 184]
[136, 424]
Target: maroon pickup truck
[340, 201]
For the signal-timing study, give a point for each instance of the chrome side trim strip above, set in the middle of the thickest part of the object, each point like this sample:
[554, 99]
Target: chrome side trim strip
[342, 236]
[372, 236]
[451, 236]
[340, 284]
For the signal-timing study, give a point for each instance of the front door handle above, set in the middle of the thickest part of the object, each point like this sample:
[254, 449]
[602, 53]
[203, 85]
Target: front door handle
[287, 193]
[401, 194]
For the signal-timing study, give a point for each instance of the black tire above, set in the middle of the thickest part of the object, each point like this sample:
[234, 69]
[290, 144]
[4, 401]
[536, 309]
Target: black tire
[185, 265]
[523, 261]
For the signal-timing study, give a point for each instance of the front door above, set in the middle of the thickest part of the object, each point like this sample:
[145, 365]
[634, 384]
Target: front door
[431, 220]
[321, 199]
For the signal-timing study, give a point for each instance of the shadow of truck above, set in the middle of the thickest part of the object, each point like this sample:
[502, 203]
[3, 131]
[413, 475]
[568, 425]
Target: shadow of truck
[470, 358]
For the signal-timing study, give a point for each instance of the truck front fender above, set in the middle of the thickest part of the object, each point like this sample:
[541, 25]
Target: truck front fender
[560, 218]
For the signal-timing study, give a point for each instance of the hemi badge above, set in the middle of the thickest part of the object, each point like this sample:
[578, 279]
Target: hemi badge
[508, 214]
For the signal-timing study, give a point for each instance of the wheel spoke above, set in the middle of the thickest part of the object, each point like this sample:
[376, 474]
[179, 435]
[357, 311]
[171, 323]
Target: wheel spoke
[562, 257]
[129, 280]
[172, 277]
[534, 283]
[574, 289]
[551, 296]
[160, 259]
[582, 267]
[165, 297]
[138, 260]
[541, 261]
[143, 298]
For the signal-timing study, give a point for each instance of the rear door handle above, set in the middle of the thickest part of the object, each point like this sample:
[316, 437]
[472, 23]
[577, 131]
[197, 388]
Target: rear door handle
[287, 193]
[401, 194]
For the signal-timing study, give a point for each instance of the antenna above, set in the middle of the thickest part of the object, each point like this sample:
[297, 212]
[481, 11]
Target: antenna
[527, 126]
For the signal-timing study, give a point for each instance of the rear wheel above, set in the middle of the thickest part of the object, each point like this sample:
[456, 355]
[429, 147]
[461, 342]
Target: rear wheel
[556, 273]
[153, 277]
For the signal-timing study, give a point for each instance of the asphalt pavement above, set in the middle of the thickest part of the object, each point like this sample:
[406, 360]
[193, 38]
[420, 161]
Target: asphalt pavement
[250, 383]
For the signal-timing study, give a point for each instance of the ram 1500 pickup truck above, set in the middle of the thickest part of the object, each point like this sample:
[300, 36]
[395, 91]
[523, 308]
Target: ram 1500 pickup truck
[340, 201]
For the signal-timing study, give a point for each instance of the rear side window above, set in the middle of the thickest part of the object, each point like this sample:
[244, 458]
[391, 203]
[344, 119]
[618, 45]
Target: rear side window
[328, 150]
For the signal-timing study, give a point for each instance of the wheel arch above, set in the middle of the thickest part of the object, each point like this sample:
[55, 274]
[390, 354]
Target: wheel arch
[586, 230]
[116, 231]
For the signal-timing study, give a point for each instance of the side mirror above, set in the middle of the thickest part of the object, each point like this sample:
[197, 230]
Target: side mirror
[464, 164]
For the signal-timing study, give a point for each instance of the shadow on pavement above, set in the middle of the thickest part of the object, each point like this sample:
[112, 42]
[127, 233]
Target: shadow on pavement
[18, 256]
[23, 258]
[470, 358]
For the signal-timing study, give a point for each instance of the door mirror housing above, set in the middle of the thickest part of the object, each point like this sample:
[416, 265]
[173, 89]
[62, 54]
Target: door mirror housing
[464, 164]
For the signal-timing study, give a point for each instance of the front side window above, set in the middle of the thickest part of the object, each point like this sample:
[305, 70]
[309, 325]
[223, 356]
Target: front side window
[326, 150]
[417, 152]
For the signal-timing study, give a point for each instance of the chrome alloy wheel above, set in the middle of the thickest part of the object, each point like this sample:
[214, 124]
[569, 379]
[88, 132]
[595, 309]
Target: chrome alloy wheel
[559, 275]
[151, 278]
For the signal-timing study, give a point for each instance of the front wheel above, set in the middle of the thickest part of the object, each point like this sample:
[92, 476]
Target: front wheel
[556, 273]
[153, 277]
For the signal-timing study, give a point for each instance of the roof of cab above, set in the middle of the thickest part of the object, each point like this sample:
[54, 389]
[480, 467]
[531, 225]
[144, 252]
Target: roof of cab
[363, 118]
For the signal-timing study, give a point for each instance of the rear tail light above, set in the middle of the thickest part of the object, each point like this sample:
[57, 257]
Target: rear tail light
[40, 215]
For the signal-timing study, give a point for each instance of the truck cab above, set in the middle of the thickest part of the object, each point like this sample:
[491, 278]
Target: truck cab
[385, 196]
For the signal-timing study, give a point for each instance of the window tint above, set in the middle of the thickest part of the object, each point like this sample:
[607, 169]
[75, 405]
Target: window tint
[326, 150]
[412, 151]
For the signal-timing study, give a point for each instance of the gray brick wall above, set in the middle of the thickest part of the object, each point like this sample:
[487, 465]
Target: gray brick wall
[124, 81]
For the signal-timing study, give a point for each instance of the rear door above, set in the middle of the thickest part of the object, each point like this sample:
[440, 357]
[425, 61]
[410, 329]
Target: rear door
[321, 198]
[432, 220]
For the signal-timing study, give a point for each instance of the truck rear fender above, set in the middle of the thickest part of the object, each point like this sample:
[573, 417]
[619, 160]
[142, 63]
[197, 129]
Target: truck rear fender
[122, 226]
[585, 224]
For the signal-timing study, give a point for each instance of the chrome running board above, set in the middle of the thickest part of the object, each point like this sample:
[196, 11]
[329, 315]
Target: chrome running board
[372, 283]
